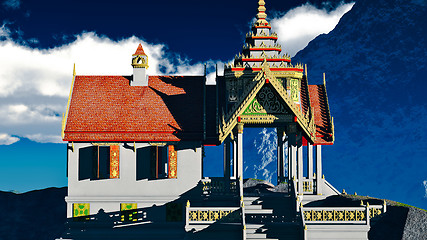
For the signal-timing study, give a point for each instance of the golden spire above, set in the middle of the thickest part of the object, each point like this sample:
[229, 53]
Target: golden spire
[261, 16]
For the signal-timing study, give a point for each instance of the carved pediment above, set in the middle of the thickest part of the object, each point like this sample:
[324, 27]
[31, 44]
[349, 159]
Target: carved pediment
[266, 102]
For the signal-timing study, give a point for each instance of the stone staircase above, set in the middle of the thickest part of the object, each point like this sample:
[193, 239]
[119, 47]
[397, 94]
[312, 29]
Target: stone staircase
[271, 217]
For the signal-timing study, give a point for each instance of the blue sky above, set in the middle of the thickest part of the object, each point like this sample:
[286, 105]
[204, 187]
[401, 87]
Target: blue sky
[40, 41]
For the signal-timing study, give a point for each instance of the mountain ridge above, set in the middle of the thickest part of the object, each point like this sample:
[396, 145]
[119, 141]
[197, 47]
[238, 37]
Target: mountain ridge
[375, 68]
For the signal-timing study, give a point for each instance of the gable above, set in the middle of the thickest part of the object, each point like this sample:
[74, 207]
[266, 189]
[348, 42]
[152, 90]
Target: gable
[266, 102]
[253, 104]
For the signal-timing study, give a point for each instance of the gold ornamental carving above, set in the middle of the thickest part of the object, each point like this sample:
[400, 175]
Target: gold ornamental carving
[266, 102]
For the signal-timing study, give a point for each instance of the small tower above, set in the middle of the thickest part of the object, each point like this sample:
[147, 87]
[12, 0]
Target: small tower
[140, 65]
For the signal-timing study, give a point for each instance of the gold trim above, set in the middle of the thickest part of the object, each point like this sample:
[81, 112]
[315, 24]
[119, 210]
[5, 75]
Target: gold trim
[240, 128]
[105, 143]
[157, 144]
[64, 118]
[253, 87]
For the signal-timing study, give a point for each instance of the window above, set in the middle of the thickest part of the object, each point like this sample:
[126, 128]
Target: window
[99, 162]
[156, 162]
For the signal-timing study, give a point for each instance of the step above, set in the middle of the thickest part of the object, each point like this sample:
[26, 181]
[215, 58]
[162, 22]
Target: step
[253, 207]
[261, 238]
[258, 211]
[255, 228]
[256, 235]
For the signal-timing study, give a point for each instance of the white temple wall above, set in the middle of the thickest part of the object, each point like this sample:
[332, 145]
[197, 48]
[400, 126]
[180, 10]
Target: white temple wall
[267, 42]
[109, 193]
[257, 54]
[265, 31]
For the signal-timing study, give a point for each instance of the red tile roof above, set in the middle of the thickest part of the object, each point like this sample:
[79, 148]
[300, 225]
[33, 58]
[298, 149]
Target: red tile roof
[107, 108]
[139, 50]
[318, 100]
[305, 104]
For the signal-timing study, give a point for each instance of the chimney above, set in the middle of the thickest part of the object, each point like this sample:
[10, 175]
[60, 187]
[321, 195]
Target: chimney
[140, 65]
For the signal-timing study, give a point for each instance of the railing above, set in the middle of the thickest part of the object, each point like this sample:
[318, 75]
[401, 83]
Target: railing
[329, 215]
[209, 215]
[339, 215]
[375, 210]
[109, 220]
[218, 186]
[308, 186]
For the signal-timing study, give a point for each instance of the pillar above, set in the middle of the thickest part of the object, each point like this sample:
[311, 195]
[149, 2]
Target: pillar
[292, 152]
[239, 150]
[227, 152]
[235, 176]
[300, 166]
[309, 161]
[319, 174]
[280, 170]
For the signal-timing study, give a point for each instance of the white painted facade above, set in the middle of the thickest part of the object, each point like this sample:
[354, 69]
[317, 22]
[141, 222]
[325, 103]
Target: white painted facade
[109, 193]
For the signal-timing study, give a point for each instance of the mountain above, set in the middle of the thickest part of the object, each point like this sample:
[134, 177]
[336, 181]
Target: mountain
[36, 215]
[376, 68]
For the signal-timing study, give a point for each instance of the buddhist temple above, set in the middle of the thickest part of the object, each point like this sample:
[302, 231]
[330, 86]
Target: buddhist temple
[136, 145]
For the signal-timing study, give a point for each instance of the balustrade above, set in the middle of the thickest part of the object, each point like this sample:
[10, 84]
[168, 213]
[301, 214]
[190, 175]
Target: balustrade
[218, 186]
[337, 215]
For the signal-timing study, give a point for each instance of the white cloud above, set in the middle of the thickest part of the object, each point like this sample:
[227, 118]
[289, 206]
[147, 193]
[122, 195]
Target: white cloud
[34, 83]
[13, 4]
[267, 152]
[302, 24]
[4, 31]
[6, 139]
[425, 186]
[42, 138]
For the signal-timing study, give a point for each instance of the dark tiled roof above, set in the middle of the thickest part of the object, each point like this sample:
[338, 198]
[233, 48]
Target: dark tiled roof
[305, 103]
[318, 100]
[107, 108]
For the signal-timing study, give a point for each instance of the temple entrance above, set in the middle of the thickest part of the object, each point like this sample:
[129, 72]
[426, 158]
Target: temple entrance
[260, 154]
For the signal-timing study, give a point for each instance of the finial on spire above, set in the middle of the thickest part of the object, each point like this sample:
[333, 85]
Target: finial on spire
[139, 65]
[305, 70]
[261, 16]
[74, 70]
[324, 79]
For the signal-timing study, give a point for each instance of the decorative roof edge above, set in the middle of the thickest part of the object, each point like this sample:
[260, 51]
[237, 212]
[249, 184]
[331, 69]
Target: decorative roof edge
[65, 115]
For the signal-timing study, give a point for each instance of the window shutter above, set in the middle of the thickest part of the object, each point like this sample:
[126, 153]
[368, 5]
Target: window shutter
[173, 163]
[114, 161]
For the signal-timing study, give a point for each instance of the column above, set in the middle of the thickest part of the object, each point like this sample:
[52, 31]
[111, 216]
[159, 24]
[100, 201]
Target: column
[319, 174]
[292, 152]
[300, 167]
[235, 176]
[239, 150]
[227, 151]
[309, 160]
[280, 172]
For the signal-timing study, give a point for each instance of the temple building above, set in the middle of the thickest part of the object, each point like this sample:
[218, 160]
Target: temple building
[136, 145]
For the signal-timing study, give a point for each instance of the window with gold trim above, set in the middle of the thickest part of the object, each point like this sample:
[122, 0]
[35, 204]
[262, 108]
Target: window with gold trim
[99, 162]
